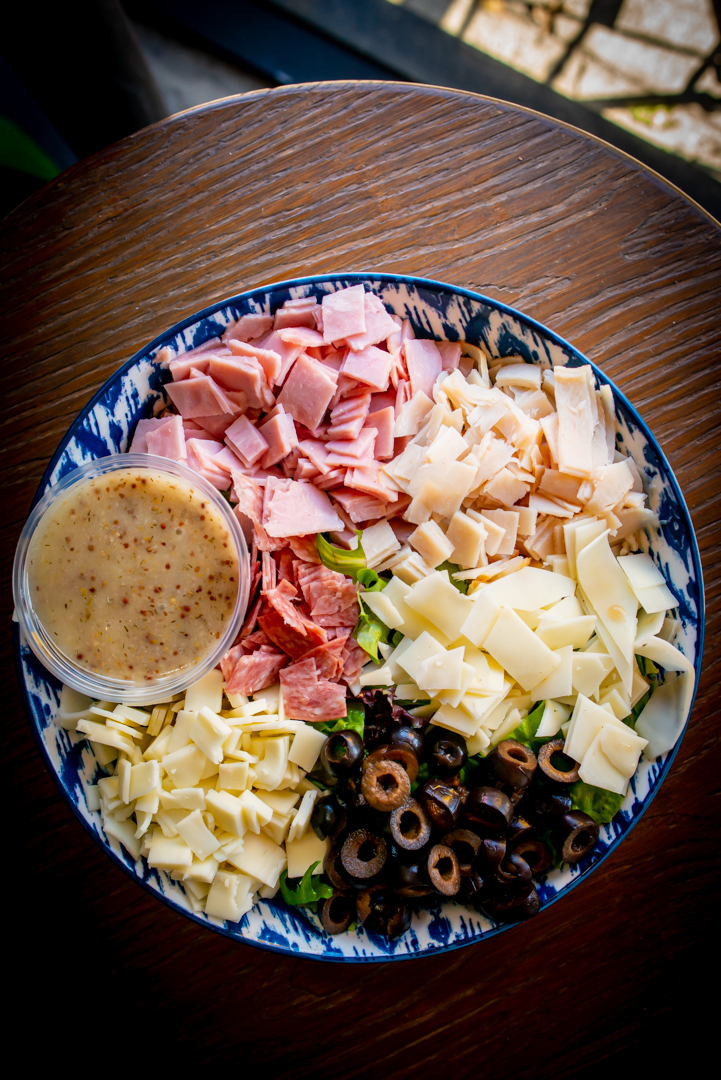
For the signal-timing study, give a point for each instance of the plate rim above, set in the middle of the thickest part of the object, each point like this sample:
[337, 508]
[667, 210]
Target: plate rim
[356, 277]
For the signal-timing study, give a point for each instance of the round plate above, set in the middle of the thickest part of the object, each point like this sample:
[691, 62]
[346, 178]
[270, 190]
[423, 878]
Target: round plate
[436, 310]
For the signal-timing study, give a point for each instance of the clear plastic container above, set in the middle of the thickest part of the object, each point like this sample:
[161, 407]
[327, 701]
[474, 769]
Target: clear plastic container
[57, 660]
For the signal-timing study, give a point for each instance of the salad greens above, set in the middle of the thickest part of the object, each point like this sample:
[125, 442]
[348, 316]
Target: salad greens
[354, 721]
[370, 630]
[599, 804]
[307, 891]
[340, 559]
[452, 569]
[526, 731]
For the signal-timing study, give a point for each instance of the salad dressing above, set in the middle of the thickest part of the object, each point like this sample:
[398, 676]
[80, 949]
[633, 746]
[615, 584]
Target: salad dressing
[134, 575]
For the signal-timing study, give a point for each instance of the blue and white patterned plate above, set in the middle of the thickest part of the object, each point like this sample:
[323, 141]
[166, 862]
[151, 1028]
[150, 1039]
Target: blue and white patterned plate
[435, 310]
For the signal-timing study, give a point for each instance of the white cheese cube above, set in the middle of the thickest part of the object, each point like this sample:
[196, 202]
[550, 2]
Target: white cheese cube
[144, 777]
[519, 651]
[148, 803]
[379, 542]
[201, 870]
[230, 896]
[506, 520]
[185, 767]
[260, 858]
[168, 853]
[431, 543]
[227, 810]
[206, 693]
[158, 748]
[306, 747]
[209, 731]
[197, 835]
[189, 798]
[233, 777]
[441, 603]
[180, 730]
[467, 538]
[256, 813]
[303, 852]
[270, 769]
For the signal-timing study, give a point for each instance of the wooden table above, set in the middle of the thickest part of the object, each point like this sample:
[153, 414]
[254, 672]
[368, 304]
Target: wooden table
[439, 183]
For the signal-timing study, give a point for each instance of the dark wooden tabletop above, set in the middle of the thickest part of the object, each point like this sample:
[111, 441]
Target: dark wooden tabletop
[442, 184]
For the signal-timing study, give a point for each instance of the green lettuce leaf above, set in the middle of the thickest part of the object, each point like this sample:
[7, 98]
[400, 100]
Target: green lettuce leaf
[370, 630]
[354, 721]
[307, 891]
[452, 569]
[340, 559]
[526, 731]
[598, 803]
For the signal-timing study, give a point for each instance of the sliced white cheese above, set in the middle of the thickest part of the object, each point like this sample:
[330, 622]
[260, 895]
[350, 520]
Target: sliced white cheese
[168, 853]
[185, 766]
[622, 748]
[424, 647]
[519, 651]
[414, 623]
[559, 683]
[144, 777]
[227, 811]
[554, 714]
[559, 632]
[588, 672]
[530, 588]
[656, 598]
[260, 858]
[209, 731]
[664, 717]
[440, 603]
[270, 769]
[456, 719]
[442, 671]
[596, 769]
[306, 746]
[304, 851]
[206, 693]
[481, 618]
[606, 588]
[454, 697]
[381, 605]
[665, 655]
[233, 776]
[587, 720]
[379, 542]
[617, 702]
[431, 543]
[197, 835]
[230, 896]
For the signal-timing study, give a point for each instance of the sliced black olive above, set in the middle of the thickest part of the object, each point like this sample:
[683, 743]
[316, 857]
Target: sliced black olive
[328, 817]
[443, 870]
[446, 751]
[489, 809]
[557, 765]
[578, 833]
[535, 853]
[363, 854]
[405, 735]
[513, 763]
[512, 906]
[442, 803]
[466, 845]
[410, 826]
[404, 755]
[491, 854]
[549, 801]
[473, 888]
[513, 871]
[333, 868]
[382, 912]
[411, 881]
[341, 752]
[336, 912]
[519, 829]
[385, 784]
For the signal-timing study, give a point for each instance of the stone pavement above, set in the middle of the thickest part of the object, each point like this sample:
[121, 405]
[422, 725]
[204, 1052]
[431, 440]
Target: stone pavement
[650, 66]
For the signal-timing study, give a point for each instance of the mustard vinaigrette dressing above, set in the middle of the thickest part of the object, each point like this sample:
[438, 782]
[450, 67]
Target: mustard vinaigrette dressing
[133, 575]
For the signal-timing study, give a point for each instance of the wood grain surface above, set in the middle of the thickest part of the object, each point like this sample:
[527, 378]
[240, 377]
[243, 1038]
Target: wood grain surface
[334, 177]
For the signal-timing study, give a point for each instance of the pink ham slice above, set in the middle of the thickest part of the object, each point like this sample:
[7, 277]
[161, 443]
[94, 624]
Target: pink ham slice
[307, 391]
[198, 398]
[351, 452]
[248, 327]
[256, 671]
[301, 335]
[288, 353]
[216, 425]
[305, 470]
[371, 366]
[201, 459]
[301, 312]
[316, 453]
[250, 498]
[306, 696]
[243, 374]
[280, 434]
[304, 548]
[168, 440]
[379, 324]
[424, 364]
[384, 422]
[181, 368]
[292, 508]
[450, 354]
[267, 358]
[368, 478]
[139, 445]
[246, 440]
[344, 313]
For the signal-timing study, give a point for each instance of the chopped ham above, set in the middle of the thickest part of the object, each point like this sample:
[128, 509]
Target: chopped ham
[288, 353]
[344, 313]
[301, 312]
[384, 422]
[295, 509]
[139, 445]
[267, 358]
[198, 398]
[250, 498]
[304, 548]
[279, 432]
[200, 458]
[308, 390]
[181, 368]
[216, 425]
[306, 696]
[379, 324]
[424, 364]
[371, 366]
[301, 335]
[246, 440]
[248, 327]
